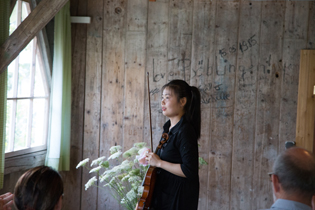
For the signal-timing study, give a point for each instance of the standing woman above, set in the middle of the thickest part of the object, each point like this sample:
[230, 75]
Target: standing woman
[177, 182]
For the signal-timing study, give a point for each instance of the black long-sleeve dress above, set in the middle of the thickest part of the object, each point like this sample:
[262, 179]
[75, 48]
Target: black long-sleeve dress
[173, 192]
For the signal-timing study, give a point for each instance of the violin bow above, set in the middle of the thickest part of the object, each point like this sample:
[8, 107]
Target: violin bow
[150, 111]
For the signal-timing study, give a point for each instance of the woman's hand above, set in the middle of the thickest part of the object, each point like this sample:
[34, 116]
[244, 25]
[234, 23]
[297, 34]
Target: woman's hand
[6, 200]
[153, 159]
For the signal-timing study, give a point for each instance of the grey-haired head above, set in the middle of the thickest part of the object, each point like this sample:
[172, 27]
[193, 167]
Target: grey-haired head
[295, 169]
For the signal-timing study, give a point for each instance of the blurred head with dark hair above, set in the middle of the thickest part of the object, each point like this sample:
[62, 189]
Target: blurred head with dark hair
[40, 188]
[293, 175]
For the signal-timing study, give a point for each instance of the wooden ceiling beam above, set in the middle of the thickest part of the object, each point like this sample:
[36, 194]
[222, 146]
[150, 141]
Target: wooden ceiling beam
[34, 22]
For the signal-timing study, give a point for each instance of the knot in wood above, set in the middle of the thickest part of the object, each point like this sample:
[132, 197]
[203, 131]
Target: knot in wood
[118, 10]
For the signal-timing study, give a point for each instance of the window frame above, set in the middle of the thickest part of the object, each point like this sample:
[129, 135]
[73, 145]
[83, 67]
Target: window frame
[40, 51]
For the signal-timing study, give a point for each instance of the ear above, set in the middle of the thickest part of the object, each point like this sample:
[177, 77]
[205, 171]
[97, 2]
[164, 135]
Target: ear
[183, 101]
[275, 183]
[59, 204]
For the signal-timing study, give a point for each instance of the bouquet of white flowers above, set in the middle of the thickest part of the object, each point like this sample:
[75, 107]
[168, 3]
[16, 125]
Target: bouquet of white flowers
[124, 180]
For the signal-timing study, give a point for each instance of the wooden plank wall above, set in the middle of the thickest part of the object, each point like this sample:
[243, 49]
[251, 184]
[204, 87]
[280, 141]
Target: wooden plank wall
[242, 55]
[305, 124]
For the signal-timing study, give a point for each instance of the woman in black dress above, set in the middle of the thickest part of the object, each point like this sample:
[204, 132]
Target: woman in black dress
[177, 182]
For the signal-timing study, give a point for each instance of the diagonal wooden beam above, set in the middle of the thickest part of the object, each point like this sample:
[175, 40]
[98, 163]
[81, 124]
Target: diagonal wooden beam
[34, 22]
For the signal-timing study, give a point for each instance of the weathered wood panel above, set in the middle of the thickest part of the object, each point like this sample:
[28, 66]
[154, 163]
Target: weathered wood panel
[179, 39]
[227, 19]
[134, 88]
[295, 38]
[268, 100]
[135, 56]
[156, 65]
[311, 23]
[201, 77]
[72, 178]
[113, 81]
[137, 15]
[306, 101]
[93, 93]
[18, 164]
[245, 106]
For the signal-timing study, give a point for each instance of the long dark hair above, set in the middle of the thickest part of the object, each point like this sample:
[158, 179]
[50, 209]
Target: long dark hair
[192, 107]
[39, 188]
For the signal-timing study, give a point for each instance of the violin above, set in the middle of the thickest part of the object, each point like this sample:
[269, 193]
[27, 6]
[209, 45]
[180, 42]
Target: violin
[150, 177]
[149, 180]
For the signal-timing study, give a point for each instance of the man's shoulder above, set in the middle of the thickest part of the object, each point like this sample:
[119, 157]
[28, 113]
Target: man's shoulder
[282, 204]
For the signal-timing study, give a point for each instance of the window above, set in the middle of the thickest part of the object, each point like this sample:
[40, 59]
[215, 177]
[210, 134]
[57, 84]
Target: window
[27, 95]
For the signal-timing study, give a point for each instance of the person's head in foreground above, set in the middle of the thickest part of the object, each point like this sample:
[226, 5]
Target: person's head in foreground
[40, 188]
[293, 178]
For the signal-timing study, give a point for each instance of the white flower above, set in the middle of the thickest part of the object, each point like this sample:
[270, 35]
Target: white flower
[125, 162]
[116, 170]
[110, 172]
[102, 178]
[132, 151]
[125, 178]
[140, 144]
[126, 165]
[90, 182]
[136, 160]
[123, 201]
[97, 161]
[95, 169]
[115, 149]
[121, 176]
[134, 179]
[135, 185]
[140, 190]
[105, 177]
[83, 162]
[113, 183]
[108, 185]
[131, 195]
[115, 155]
[113, 180]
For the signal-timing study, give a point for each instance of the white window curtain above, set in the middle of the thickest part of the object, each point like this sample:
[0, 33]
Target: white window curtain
[58, 145]
[4, 33]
